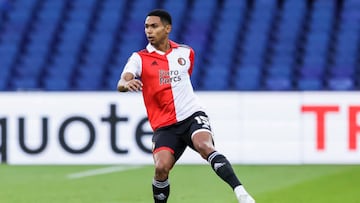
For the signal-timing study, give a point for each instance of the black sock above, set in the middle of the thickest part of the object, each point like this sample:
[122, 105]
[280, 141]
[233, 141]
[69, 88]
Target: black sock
[161, 191]
[223, 168]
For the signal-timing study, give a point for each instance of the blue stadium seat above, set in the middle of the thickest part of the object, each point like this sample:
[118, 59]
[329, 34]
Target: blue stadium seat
[8, 53]
[291, 46]
[30, 67]
[342, 71]
[217, 78]
[281, 71]
[59, 70]
[5, 74]
[314, 60]
[203, 11]
[64, 61]
[88, 84]
[90, 71]
[177, 10]
[27, 83]
[341, 83]
[99, 50]
[56, 84]
[11, 35]
[247, 84]
[38, 48]
[112, 77]
[277, 83]
[282, 59]
[3, 84]
[309, 84]
[247, 78]
[312, 71]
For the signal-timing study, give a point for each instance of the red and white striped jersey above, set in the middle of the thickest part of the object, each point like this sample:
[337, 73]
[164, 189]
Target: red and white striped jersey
[167, 90]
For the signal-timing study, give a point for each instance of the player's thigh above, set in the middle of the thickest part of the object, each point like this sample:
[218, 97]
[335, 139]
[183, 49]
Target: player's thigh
[203, 143]
[200, 135]
[164, 160]
[168, 140]
[202, 139]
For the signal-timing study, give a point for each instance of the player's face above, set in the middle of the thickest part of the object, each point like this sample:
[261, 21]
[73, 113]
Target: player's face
[156, 32]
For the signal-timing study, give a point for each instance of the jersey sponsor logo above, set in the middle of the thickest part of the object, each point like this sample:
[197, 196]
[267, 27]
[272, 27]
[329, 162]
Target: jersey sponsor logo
[181, 61]
[168, 77]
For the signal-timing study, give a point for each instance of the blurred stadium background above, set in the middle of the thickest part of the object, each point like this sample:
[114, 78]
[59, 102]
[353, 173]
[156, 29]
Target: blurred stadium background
[241, 45]
[245, 45]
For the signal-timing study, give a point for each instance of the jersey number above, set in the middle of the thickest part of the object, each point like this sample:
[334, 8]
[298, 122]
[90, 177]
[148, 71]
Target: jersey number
[203, 120]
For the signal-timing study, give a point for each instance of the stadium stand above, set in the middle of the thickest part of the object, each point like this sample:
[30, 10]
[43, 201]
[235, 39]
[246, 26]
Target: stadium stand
[249, 45]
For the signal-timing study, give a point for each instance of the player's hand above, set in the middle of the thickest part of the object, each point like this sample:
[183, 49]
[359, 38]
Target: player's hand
[134, 85]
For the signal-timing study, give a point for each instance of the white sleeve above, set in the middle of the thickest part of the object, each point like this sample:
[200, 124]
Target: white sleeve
[133, 65]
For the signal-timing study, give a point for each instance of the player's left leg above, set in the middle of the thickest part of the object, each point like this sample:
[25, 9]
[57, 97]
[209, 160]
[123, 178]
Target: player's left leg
[203, 143]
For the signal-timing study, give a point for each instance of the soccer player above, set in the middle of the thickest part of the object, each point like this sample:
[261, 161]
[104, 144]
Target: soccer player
[162, 72]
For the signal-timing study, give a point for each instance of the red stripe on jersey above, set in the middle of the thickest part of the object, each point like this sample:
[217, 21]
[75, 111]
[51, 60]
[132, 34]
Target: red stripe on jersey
[157, 94]
[163, 148]
[192, 59]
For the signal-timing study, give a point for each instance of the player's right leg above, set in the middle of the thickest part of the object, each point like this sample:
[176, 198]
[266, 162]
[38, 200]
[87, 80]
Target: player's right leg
[164, 161]
[167, 149]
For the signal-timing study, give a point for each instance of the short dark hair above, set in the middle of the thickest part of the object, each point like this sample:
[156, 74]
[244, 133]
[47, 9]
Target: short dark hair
[165, 17]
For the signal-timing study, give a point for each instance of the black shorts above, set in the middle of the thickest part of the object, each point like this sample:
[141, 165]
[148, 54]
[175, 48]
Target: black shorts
[177, 137]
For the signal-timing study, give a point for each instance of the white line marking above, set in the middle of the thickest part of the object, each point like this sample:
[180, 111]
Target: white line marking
[101, 171]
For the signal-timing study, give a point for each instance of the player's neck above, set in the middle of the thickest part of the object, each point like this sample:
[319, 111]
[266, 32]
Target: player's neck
[164, 46]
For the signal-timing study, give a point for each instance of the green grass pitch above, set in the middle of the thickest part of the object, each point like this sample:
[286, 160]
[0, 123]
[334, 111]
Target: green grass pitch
[189, 184]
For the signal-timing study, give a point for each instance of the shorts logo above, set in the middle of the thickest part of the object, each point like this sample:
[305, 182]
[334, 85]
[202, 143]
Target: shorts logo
[181, 61]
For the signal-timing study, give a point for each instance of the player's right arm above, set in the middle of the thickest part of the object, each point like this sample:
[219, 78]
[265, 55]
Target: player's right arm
[128, 79]
[128, 82]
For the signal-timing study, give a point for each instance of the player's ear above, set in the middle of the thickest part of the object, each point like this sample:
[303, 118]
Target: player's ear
[168, 28]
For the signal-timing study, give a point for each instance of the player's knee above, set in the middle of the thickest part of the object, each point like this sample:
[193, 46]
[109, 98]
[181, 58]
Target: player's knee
[204, 149]
[162, 169]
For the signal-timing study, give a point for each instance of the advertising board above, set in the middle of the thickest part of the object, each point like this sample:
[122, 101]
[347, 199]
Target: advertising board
[112, 128]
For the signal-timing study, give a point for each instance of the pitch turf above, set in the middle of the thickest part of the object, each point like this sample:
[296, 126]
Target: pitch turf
[189, 184]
